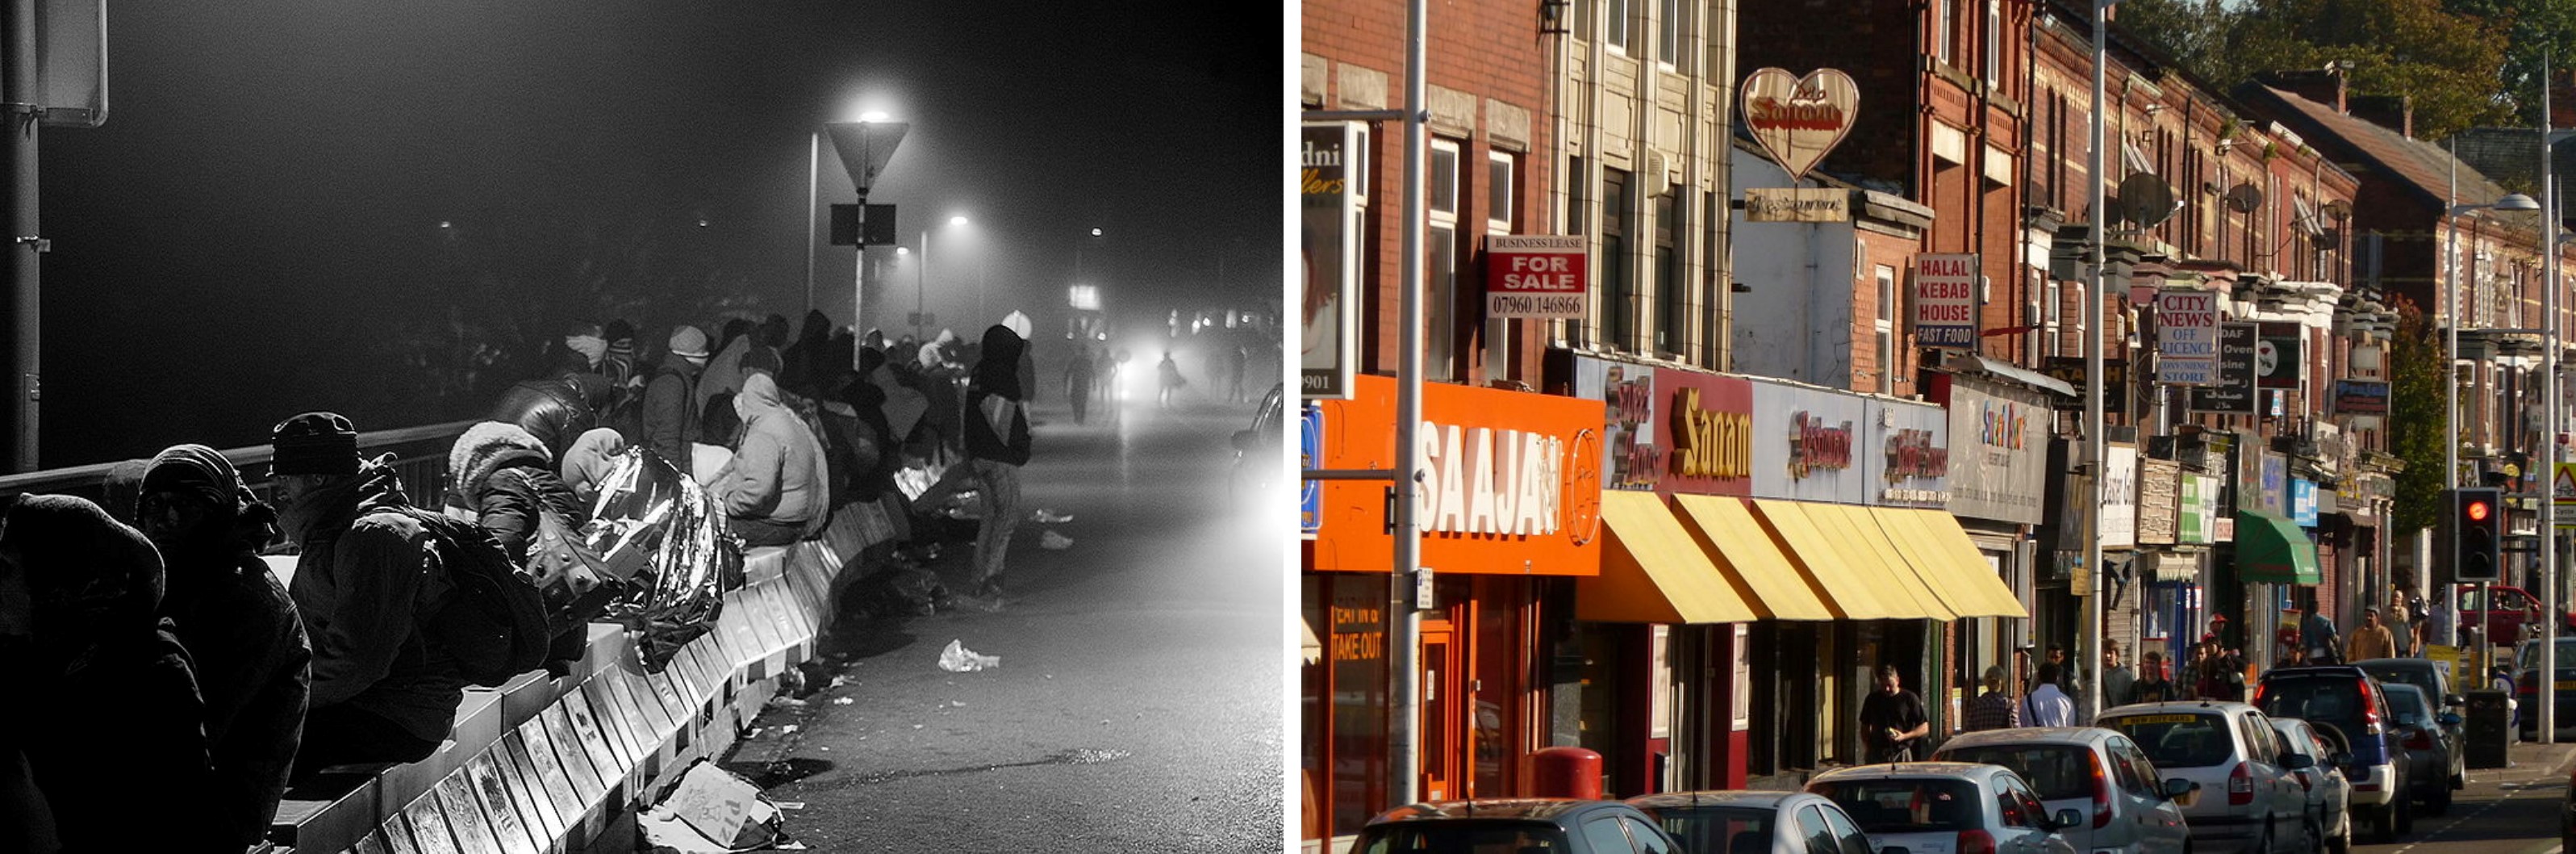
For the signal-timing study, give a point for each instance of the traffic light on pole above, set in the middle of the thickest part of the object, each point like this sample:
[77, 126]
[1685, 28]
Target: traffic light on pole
[2477, 522]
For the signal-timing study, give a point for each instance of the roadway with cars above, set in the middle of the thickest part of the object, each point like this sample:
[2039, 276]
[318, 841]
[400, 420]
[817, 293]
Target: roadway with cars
[1136, 707]
[2503, 811]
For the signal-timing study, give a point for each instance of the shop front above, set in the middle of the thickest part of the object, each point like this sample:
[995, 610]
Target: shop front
[1998, 488]
[1511, 507]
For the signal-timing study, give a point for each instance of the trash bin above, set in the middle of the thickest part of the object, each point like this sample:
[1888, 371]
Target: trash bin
[2488, 730]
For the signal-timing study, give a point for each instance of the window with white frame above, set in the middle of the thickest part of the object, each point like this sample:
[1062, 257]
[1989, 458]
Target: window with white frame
[1669, 33]
[1614, 33]
[1885, 329]
[1994, 43]
[1945, 15]
[1502, 181]
[1441, 268]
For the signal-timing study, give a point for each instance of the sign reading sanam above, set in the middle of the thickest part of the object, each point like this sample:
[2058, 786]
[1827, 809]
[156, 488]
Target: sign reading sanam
[1535, 275]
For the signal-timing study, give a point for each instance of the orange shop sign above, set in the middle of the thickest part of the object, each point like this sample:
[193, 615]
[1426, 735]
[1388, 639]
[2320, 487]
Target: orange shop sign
[1511, 482]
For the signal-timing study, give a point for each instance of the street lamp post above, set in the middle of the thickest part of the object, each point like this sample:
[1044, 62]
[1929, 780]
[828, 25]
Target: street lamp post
[921, 276]
[2450, 372]
[2095, 455]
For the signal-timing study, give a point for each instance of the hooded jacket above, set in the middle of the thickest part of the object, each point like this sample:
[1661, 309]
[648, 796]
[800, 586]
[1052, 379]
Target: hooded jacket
[364, 584]
[779, 474]
[997, 427]
[108, 715]
[253, 665]
[505, 476]
[670, 416]
[589, 459]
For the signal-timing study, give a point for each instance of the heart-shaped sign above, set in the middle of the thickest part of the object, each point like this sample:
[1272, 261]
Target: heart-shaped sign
[1796, 120]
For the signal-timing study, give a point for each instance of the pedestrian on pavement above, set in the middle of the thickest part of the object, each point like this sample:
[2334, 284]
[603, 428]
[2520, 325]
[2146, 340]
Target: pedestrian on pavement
[2117, 680]
[2219, 674]
[1169, 372]
[997, 445]
[1078, 374]
[1235, 361]
[777, 489]
[2047, 704]
[2317, 636]
[105, 715]
[1892, 719]
[2153, 685]
[2370, 641]
[364, 584]
[1994, 709]
[240, 629]
[670, 416]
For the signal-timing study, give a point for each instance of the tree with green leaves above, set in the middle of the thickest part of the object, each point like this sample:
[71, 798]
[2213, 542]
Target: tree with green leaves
[2450, 63]
[2415, 418]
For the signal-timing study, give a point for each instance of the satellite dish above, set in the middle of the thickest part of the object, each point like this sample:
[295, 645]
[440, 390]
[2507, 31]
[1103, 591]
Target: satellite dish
[2145, 199]
[2244, 198]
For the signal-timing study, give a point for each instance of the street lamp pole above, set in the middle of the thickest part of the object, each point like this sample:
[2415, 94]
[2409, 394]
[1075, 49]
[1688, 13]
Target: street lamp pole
[814, 198]
[2095, 457]
[920, 277]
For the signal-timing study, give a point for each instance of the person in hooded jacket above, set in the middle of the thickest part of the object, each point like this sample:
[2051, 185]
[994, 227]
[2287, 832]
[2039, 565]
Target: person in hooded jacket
[253, 664]
[105, 718]
[365, 584]
[506, 478]
[997, 445]
[554, 409]
[776, 490]
[587, 463]
[808, 366]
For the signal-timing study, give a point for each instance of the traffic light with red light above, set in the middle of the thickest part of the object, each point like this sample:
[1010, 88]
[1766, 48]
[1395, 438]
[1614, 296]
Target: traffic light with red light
[2477, 526]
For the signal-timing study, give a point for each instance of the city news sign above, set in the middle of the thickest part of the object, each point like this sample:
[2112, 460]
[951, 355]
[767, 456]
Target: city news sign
[1945, 300]
[2186, 337]
[1798, 120]
[1535, 275]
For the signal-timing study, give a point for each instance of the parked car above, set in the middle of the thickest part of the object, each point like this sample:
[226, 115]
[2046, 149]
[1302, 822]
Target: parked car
[2435, 681]
[2567, 816]
[2099, 773]
[1553, 825]
[2527, 682]
[1754, 822]
[1946, 808]
[2431, 745]
[2351, 703]
[1256, 448]
[2512, 609]
[2247, 802]
[2317, 759]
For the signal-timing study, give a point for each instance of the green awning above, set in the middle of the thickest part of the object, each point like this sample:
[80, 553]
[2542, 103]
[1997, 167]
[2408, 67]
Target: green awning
[2272, 550]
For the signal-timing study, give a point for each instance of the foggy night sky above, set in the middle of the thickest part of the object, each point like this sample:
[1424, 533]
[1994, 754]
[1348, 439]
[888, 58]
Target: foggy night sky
[266, 194]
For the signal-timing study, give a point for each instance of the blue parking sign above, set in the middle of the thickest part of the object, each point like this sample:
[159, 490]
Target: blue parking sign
[1310, 493]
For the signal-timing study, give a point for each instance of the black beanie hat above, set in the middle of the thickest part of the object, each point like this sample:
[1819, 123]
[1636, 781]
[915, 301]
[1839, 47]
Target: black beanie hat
[315, 443]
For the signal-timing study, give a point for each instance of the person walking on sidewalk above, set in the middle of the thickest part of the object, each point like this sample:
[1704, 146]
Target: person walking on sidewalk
[2370, 641]
[2046, 704]
[1995, 708]
[1892, 719]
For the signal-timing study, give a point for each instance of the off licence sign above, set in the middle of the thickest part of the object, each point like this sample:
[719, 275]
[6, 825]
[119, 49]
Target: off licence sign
[2187, 337]
[1535, 275]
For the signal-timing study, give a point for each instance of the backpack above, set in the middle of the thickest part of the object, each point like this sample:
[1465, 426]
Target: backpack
[494, 626]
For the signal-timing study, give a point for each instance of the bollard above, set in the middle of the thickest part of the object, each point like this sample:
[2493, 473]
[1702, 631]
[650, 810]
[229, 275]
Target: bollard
[1566, 772]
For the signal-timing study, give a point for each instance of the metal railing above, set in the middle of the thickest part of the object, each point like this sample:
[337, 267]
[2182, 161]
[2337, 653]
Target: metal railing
[420, 459]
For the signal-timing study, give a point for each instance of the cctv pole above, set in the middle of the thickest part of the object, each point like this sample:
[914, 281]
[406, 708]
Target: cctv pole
[1404, 617]
[2094, 452]
[2549, 287]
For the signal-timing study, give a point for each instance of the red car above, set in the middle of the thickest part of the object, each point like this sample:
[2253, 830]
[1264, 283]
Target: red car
[2512, 609]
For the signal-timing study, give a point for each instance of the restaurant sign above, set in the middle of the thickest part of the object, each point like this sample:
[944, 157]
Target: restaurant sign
[1506, 483]
[1998, 452]
[1670, 430]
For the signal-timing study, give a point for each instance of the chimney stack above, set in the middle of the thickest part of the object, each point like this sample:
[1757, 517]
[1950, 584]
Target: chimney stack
[2324, 87]
[2394, 112]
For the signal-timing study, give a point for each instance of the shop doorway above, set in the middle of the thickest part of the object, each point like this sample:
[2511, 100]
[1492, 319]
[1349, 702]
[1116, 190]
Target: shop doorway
[1444, 697]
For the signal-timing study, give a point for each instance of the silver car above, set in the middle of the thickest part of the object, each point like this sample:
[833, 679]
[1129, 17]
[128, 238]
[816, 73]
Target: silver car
[1734, 822]
[2098, 773]
[1945, 808]
[2317, 761]
[2247, 800]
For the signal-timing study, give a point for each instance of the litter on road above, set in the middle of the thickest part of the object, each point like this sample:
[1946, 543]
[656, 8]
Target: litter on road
[1056, 542]
[958, 659]
[1050, 517]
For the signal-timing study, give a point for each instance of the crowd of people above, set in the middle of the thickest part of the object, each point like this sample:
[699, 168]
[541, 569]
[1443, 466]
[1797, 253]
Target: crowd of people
[206, 688]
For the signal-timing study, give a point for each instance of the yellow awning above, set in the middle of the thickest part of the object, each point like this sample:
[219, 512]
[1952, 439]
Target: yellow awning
[1835, 580]
[1856, 529]
[1652, 572]
[1944, 552]
[1726, 529]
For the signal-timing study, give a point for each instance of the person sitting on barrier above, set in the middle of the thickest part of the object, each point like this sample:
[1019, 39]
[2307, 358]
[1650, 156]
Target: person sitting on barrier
[670, 415]
[253, 664]
[776, 490]
[364, 584]
[104, 712]
[505, 480]
[554, 409]
[589, 460]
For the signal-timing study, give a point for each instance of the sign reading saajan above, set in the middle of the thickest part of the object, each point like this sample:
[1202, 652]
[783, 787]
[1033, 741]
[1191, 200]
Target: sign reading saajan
[1534, 275]
[1510, 481]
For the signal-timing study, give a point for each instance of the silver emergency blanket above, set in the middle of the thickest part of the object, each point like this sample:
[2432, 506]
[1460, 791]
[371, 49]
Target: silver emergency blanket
[664, 542]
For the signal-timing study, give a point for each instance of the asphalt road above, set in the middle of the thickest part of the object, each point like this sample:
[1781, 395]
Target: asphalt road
[1137, 705]
[2510, 810]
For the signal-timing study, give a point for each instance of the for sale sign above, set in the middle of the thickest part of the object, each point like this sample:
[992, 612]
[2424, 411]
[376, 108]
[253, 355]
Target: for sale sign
[1534, 275]
[2186, 337]
[1945, 300]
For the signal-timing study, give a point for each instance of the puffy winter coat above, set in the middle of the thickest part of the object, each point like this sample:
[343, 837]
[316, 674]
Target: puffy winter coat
[779, 473]
[504, 476]
[554, 409]
[364, 584]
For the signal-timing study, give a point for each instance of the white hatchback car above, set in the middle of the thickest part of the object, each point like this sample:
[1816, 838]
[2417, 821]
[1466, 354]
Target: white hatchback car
[2098, 773]
[1743, 822]
[2317, 761]
[2248, 802]
[1945, 808]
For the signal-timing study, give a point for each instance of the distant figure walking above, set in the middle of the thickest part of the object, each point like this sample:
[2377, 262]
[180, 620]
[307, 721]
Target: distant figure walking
[1078, 375]
[1170, 372]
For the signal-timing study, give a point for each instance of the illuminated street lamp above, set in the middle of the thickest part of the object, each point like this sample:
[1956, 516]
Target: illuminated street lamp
[921, 276]
[864, 147]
